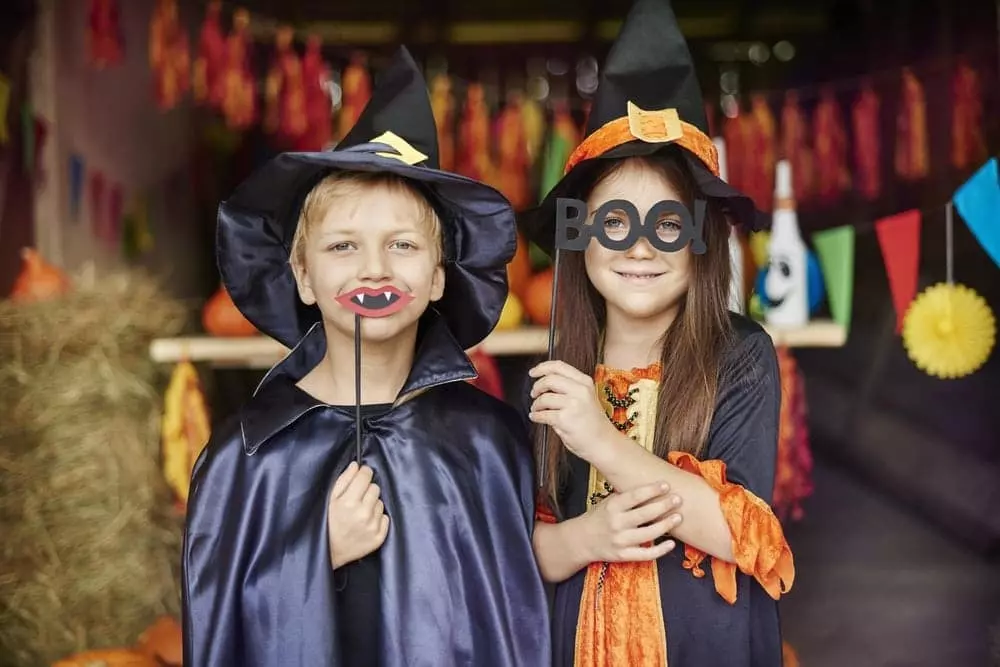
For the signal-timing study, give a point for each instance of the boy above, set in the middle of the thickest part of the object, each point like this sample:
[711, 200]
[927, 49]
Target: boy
[296, 555]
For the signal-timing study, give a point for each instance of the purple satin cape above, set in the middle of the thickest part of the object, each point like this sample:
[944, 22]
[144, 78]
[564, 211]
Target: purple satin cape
[459, 583]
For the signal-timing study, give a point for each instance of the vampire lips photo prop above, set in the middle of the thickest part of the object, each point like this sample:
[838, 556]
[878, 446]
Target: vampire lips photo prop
[374, 301]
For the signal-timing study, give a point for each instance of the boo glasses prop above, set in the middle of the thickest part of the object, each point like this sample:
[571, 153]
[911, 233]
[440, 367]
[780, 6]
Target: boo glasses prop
[571, 216]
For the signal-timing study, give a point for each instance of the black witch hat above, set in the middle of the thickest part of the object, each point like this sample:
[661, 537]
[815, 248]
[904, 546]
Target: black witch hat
[648, 99]
[395, 133]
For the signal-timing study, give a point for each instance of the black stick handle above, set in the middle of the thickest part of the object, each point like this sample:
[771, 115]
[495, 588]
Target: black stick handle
[357, 387]
[543, 464]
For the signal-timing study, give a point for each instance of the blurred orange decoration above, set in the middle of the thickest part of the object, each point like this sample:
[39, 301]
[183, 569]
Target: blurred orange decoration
[239, 88]
[319, 112]
[38, 279]
[285, 113]
[163, 642]
[169, 55]
[356, 85]
[211, 60]
[105, 46]
[221, 317]
[519, 269]
[538, 297]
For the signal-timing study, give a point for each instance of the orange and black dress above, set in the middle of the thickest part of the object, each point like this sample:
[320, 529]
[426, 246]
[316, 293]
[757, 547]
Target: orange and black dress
[687, 609]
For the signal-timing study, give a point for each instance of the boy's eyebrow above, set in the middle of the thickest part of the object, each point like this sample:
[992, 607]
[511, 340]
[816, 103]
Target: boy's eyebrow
[416, 229]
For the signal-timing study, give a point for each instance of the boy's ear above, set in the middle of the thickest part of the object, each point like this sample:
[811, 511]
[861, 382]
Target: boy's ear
[437, 283]
[302, 283]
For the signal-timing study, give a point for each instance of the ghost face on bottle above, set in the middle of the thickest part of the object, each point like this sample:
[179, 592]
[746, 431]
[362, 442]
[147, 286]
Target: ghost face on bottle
[785, 289]
[779, 283]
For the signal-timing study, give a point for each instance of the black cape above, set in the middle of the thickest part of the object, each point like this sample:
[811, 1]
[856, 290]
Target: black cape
[459, 584]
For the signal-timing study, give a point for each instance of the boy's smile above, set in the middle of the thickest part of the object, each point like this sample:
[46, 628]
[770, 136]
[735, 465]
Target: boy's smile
[372, 302]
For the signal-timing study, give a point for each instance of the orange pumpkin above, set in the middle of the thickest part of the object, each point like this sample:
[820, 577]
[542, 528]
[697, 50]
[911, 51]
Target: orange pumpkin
[519, 269]
[38, 279]
[163, 642]
[111, 657]
[538, 297]
[221, 317]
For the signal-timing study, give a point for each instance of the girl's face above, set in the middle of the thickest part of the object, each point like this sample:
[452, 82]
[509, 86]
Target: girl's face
[642, 283]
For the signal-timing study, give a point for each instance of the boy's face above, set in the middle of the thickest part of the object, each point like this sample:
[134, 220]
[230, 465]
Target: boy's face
[372, 245]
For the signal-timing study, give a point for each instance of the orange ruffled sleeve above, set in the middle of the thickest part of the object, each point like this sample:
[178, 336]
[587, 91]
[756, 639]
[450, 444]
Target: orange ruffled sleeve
[759, 544]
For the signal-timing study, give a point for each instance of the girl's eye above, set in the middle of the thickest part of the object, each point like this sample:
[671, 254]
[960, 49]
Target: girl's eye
[669, 223]
[614, 222]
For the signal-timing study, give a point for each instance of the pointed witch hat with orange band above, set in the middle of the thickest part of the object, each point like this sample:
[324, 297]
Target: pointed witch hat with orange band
[648, 100]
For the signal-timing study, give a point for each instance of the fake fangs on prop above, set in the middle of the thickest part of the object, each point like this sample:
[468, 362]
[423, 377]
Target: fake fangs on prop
[374, 302]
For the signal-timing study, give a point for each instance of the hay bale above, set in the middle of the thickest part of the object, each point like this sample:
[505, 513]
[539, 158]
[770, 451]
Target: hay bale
[90, 546]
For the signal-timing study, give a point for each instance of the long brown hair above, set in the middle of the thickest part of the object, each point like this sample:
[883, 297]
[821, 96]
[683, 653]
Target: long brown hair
[693, 346]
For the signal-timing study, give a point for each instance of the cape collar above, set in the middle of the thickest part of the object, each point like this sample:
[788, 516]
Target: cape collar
[276, 404]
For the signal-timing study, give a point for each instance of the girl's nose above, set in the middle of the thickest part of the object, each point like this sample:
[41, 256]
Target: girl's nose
[641, 249]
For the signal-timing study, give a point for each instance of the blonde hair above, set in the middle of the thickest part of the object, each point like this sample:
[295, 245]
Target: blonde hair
[346, 184]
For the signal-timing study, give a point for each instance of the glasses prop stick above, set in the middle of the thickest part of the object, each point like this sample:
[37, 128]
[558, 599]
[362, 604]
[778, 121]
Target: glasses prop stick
[369, 302]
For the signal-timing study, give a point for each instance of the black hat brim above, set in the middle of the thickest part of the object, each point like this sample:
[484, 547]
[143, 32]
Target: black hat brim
[257, 224]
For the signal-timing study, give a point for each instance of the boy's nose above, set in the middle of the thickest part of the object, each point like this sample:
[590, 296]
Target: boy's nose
[375, 266]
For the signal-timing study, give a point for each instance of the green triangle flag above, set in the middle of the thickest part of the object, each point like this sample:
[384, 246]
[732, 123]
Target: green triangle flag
[835, 249]
[556, 154]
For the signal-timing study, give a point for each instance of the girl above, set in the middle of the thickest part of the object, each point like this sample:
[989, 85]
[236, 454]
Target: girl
[678, 443]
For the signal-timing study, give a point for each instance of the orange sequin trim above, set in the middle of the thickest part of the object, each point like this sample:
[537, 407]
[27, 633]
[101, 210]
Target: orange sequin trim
[621, 618]
[622, 380]
[617, 132]
[621, 614]
[759, 545]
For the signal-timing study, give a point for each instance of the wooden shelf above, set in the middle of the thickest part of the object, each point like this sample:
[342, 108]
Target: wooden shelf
[264, 352]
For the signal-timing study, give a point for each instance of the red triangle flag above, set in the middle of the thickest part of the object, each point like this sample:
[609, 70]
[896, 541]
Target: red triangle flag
[899, 237]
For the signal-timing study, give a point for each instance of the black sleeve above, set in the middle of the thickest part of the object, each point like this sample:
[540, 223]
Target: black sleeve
[744, 430]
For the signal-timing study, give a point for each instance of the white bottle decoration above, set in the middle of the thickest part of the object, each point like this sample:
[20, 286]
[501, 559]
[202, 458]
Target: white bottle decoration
[785, 287]
[736, 302]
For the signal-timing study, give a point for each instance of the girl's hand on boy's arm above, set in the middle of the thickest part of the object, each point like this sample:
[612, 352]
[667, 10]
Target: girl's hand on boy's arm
[355, 516]
[621, 528]
[565, 400]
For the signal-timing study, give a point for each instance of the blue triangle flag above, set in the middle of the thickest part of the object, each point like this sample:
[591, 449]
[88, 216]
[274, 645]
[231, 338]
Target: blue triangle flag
[978, 202]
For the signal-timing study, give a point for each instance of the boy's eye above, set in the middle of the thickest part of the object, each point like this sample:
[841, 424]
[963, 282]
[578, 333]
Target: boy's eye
[343, 246]
[403, 245]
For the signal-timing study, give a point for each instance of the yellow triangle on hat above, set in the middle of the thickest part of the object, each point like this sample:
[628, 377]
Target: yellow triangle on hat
[404, 151]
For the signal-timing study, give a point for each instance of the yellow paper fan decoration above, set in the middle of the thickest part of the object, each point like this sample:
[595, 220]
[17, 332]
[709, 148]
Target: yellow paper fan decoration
[949, 331]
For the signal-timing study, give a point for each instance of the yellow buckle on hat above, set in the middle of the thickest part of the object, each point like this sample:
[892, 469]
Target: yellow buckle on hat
[654, 127]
